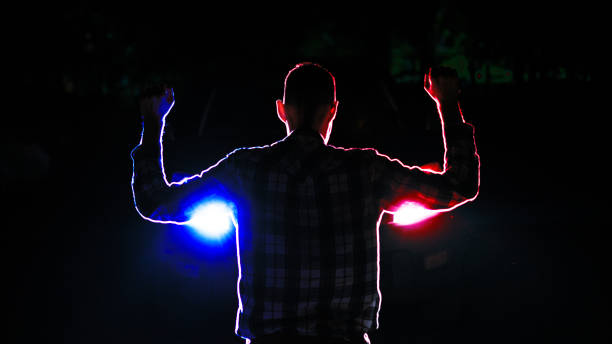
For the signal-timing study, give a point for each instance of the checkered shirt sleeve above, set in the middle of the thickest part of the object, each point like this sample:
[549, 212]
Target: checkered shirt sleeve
[459, 182]
[158, 200]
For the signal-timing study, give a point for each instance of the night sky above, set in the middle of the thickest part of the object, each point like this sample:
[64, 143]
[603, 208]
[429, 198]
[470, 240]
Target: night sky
[524, 262]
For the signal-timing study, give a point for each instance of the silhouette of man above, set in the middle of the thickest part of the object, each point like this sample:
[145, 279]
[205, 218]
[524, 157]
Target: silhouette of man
[307, 213]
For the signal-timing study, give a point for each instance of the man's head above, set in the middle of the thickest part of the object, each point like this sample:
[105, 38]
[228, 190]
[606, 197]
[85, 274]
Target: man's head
[309, 99]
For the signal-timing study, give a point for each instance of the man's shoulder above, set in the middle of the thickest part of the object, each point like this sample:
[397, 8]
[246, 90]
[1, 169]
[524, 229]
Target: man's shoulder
[253, 153]
[280, 150]
[365, 153]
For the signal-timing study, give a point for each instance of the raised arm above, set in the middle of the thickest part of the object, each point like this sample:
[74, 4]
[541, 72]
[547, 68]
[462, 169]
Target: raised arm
[155, 198]
[459, 180]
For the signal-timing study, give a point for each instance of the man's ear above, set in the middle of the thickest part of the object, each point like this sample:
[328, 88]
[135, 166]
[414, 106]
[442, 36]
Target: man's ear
[280, 111]
[333, 110]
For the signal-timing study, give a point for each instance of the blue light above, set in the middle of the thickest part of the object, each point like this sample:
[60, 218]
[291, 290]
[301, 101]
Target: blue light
[211, 219]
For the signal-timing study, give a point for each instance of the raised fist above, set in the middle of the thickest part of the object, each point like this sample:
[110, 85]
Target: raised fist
[156, 102]
[442, 84]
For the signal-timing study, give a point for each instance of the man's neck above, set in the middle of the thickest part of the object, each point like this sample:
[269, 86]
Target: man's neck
[307, 131]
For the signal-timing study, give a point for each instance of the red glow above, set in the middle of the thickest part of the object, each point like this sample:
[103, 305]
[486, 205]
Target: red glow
[432, 166]
[410, 213]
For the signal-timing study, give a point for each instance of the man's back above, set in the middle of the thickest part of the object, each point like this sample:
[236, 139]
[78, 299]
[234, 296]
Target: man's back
[309, 253]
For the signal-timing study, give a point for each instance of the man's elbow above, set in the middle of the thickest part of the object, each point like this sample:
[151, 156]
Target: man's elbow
[471, 192]
[144, 209]
[469, 188]
[161, 212]
[146, 205]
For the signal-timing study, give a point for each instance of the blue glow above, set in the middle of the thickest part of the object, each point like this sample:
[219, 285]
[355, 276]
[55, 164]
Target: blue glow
[211, 219]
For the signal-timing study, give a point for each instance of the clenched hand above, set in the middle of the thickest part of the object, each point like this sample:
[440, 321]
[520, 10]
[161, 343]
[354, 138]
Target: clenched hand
[156, 102]
[442, 84]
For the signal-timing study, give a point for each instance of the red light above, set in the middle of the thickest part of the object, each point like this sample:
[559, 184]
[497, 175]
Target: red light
[410, 213]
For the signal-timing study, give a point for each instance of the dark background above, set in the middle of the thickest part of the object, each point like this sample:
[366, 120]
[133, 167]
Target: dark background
[524, 262]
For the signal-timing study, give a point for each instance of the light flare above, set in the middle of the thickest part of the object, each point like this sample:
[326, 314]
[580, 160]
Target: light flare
[211, 219]
[411, 213]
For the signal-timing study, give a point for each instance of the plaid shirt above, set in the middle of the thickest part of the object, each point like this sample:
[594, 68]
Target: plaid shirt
[308, 216]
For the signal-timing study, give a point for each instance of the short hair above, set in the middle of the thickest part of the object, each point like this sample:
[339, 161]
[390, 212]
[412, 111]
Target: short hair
[307, 87]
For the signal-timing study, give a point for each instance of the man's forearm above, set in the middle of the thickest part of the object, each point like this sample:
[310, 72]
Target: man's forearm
[461, 159]
[450, 112]
[148, 180]
[152, 133]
